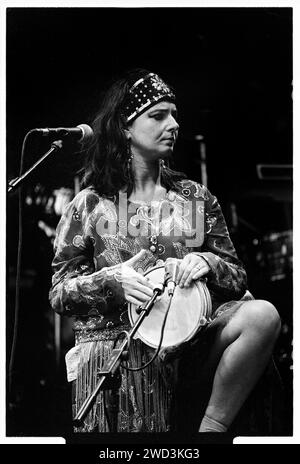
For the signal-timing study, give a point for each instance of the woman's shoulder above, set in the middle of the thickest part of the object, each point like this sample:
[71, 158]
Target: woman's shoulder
[86, 199]
[192, 189]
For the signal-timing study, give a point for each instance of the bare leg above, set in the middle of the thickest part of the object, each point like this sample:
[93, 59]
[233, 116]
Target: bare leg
[242, 349]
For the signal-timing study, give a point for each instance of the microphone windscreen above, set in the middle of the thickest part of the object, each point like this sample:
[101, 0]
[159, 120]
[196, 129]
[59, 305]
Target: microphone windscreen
[87, 132]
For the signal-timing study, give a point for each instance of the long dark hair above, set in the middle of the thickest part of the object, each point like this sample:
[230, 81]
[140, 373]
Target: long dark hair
[106, 163]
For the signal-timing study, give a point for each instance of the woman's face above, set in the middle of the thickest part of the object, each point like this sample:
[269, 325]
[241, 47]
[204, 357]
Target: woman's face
[154, 132]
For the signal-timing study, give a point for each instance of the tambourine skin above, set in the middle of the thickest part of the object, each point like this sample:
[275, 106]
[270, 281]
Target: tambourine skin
[190, 308]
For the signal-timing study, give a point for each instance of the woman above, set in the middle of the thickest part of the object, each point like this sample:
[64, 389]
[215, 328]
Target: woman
[130, 217]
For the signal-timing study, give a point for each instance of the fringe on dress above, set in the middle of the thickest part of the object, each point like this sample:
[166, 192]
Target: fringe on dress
[144, 396]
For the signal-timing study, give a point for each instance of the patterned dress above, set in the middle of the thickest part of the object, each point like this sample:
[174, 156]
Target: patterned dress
[94, 237]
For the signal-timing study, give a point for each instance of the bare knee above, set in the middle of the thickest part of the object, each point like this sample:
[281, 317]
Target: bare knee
[263, 317]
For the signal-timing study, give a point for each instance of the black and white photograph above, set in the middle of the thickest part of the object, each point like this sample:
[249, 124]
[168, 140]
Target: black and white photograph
[149, 225]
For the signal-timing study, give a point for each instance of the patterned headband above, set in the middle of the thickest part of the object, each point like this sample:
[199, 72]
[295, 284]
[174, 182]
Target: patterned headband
[144, 93]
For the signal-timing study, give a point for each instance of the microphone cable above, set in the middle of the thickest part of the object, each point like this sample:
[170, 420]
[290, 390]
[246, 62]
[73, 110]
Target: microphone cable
[11, 371]
[136, 369]
[143, 366]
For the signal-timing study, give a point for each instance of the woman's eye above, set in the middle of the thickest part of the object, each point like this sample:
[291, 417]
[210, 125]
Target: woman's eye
[158, 116]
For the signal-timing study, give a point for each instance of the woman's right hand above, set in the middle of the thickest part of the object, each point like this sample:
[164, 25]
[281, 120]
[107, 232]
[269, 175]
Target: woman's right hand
[137, 288]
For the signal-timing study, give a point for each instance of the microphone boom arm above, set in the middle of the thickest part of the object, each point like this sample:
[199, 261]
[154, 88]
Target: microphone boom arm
[14, 183]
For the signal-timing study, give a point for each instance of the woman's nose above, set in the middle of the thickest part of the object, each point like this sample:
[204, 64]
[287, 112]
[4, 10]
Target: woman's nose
[173, 124]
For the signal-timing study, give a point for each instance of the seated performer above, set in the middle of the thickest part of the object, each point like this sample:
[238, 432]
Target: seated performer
[129, 217]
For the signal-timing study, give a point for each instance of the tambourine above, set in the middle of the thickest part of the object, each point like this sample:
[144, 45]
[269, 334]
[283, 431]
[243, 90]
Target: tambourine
[190, 309]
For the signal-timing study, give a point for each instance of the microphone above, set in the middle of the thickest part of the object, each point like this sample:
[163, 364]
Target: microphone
[171, 272]
[81, 133]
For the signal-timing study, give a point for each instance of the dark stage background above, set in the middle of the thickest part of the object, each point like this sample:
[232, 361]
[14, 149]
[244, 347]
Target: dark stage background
[232, 71]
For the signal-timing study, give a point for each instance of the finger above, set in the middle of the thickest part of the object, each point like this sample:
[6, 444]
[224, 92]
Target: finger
[145, 287]
[145, 281]
[151, 284]
[132, 261]
[148, 292]
[194, 274]
[196, 263]
[139, 296]
[132, 300]
[182, 267]
[180, 273]
[203, 271]
[132, 279]
[189, 278]
[185, 275]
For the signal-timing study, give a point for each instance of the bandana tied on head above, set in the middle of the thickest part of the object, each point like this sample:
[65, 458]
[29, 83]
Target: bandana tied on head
[144, 93]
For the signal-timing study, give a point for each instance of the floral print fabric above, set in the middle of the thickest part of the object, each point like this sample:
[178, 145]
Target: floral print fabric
[95, 235]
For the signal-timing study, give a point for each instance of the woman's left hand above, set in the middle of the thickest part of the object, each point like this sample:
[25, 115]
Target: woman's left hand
[191, 268]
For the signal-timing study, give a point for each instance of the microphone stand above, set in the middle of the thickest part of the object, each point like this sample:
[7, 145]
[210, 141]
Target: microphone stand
[13, 184]
[110, 378]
